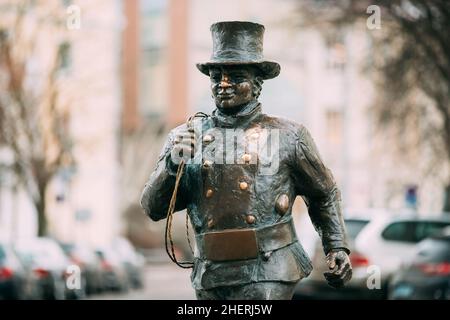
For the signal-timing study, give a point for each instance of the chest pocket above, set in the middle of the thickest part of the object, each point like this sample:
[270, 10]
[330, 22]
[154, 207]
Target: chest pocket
[228, 192]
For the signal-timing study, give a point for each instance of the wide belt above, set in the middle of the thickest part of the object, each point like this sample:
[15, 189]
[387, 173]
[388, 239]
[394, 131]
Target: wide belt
[243, 244]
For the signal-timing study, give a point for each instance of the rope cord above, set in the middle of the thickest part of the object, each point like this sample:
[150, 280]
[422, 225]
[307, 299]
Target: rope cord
[168, 230]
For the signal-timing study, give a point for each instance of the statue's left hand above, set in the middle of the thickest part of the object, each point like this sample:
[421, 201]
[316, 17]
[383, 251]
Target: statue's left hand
[340, 267]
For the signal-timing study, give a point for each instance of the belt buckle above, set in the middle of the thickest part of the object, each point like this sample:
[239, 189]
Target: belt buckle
[233, 244]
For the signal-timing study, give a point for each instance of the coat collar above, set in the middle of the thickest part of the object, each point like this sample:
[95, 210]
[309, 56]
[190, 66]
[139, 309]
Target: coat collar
[250, 112]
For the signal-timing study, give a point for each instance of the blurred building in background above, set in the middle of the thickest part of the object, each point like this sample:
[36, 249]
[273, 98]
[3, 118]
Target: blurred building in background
[82, 200]
[96, 86]
[90, 206]
[323, 84]
[131, 77]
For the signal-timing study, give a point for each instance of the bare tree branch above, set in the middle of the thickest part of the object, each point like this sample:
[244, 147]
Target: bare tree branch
[33, 123]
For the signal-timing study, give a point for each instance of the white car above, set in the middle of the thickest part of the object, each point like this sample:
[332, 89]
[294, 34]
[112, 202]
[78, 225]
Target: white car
[49, 263]
[379, 242]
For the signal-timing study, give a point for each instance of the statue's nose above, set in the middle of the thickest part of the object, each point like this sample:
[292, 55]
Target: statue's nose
[225, 82]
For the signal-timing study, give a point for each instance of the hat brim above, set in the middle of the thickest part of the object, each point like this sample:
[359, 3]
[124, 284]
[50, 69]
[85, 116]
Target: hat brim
[268, 69]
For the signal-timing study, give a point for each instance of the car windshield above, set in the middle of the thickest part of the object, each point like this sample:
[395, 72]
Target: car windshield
[84, 253]
[412, 231]
[354, 226]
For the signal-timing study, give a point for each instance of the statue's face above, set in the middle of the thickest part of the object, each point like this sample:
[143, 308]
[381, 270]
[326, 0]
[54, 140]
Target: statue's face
[232, 85]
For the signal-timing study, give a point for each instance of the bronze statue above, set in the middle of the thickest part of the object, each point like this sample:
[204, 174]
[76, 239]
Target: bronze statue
[238, 171]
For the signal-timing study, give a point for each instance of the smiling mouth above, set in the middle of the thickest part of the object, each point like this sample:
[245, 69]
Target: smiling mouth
[226, 96]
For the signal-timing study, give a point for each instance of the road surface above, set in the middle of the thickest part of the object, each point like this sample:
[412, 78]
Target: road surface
[161, 282]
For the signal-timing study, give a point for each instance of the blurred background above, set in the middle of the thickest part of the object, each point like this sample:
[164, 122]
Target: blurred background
[90, 89]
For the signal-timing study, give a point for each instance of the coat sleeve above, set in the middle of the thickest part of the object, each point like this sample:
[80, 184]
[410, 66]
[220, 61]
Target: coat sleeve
[318, 188]
[158, 190]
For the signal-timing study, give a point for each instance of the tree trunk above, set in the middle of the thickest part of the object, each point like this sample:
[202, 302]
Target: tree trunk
[447, 200]
[42, 218]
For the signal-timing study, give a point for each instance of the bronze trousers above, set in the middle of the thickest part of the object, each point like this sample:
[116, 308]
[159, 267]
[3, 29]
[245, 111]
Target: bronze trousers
[268, 290]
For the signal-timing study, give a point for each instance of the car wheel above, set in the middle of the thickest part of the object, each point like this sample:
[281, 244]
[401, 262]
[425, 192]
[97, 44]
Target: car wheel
[59, 290]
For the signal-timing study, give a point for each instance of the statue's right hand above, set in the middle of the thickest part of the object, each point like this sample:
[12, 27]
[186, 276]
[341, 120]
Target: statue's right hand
[184, 147]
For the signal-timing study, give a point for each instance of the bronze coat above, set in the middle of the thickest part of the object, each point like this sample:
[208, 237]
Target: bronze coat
[216, 199]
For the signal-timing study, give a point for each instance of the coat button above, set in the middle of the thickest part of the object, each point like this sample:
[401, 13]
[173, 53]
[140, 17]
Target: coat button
[282, 204]
[243, 185]
[208, 138]
[210, 223]
[209, 193]
[250, 219]
[266, 255]
[207, 163]
[247, 158]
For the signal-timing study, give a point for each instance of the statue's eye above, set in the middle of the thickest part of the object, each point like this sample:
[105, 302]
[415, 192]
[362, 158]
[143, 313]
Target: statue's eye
[215, 77]
[238, 78]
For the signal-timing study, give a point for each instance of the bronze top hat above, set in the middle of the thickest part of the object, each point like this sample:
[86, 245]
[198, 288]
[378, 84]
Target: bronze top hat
[239, 43]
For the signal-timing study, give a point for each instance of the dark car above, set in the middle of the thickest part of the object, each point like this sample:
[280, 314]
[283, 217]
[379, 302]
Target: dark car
[114, 274]
[132, 261]
[16, 282]
[426, 276]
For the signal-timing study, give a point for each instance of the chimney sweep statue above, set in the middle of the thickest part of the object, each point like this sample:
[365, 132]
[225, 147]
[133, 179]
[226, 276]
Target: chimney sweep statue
[238, 172]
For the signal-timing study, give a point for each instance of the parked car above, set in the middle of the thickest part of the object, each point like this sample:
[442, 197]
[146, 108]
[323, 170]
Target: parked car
[114, 274]
[90, 265]
[379, 242]
[132, 260]
[426, 276]
[16, 282]
[48, 263]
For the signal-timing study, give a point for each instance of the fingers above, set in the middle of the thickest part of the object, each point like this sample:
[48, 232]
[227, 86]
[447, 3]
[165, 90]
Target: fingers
[347, 276]
[184, 145]
[186, 138]
[181, 152]
[339, 281]
[341, 270]
[331, 260]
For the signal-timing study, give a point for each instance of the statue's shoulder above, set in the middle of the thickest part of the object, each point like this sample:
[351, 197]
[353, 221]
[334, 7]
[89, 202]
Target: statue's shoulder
[281, 123]
[195, 122]
[181, 127]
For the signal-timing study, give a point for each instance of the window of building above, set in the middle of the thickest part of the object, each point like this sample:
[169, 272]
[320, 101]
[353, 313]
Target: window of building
[336, 52]
[153, 90]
